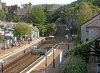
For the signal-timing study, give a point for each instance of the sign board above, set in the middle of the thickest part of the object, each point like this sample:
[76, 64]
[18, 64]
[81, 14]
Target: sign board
[39, 50]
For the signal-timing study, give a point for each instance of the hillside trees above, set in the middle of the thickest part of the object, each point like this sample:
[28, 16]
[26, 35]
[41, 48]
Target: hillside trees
[84, 13]
[37, 15]
[83, 10]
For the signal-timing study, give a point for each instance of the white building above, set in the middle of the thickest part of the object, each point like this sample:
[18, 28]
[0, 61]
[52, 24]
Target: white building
[35, 32]
[90, 29]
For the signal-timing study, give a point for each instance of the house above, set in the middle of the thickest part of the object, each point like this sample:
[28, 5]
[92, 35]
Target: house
[35, 32]
[90, 29]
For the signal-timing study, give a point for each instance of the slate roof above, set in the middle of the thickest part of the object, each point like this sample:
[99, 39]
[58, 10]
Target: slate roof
[35, 28]
[95, 24]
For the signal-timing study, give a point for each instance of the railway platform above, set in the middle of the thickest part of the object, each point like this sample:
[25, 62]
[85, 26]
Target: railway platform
[12, 49]
[41, 68]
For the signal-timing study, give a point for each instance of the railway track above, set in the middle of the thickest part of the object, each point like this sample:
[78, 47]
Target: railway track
[24, 61]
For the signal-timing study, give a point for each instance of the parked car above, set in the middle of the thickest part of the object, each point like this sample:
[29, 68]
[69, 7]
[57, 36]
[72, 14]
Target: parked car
[8, 34]
[9, 29]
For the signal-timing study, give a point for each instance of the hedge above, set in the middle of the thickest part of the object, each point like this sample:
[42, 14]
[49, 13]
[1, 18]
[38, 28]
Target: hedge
[83, 50]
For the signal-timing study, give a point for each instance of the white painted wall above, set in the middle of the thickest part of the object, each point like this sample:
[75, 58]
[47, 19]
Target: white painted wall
[85, 34]
[93, 32]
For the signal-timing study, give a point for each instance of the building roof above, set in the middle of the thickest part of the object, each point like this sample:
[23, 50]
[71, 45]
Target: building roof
[35, 28]
[95, 24]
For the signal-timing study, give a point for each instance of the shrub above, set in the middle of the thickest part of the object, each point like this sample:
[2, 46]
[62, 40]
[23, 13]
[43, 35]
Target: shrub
[82, 49]
[75, 64]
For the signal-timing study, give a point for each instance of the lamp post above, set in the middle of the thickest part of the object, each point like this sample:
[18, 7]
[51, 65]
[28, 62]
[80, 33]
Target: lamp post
[1, 61]
[67, 42]
[75, 40]
[68, 37]
[53, 51]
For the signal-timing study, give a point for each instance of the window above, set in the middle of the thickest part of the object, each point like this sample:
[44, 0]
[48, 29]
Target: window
[7, 32]
[87, 39]
[87, 29]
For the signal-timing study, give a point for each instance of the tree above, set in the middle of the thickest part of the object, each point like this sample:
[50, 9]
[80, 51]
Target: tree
[96, 2]
[37, 15]
[22, 29]
[50, 27]
[84, 14]
[74, 64]
[1, 37]
[16, 18]
[42, 28]
[46, 28]
[2, 15]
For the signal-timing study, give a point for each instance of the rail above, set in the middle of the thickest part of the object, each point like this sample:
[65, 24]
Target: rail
[18, 50]
[39, 59]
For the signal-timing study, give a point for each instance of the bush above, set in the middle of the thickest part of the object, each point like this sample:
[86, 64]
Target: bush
[75, 64]
[47, 28]
[82, 49]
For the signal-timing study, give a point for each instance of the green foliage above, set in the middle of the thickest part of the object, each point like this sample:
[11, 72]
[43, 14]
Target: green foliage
[16, 18]
[37, 15]
[2, 15]
[42, 28]
[77, 58]
[46, 28]
[1, 37]
[85, 12]
[22, 29]
[75, 64]
[96, 2]
[82, 49]
[50, 27]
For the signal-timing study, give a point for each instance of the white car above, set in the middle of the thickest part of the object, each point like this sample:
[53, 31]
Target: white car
[8, 34]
